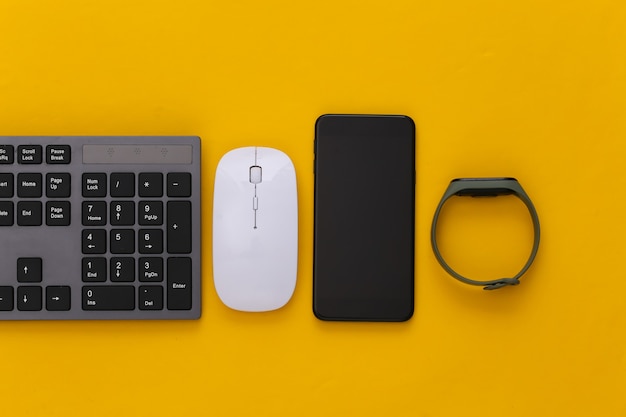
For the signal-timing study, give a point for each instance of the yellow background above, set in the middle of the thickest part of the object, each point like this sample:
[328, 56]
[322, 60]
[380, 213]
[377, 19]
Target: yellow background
[530, 89]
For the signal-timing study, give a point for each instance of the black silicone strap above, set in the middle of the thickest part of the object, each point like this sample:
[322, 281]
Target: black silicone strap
[486, 187]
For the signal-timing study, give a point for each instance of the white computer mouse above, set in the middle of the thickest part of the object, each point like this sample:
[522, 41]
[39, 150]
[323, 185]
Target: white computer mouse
[255, 229]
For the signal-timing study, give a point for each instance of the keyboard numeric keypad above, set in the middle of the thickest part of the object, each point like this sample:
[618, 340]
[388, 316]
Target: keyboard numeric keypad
[166, 228]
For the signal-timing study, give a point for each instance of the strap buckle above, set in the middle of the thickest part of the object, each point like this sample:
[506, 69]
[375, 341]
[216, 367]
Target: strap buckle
[504, 282]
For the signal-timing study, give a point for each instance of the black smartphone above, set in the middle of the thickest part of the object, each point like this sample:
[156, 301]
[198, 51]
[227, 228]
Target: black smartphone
[364, 218]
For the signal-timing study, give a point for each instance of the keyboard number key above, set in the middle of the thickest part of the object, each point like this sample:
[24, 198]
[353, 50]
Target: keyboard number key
[122, 269]
[94, 213]
[109, 297]
[122, 213]
[150, 241]
[94, 241]
[94, 269]
[151, 269]
[150, 213]
[122, 241]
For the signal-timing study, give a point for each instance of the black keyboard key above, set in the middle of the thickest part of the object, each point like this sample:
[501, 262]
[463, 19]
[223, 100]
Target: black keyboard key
[122, 213]
[179, 227]
[29, 298]
[94, 184]
[29, 213]
[29, 154]
[109, 297]
[150, 241]
[150, 213]
[151, 297]
[29, 185]
[151, 269]
[58, 154]
[94, 213]
[150, 184]
[6, 213]
[179, 184]
[6, 298]
[58, 298]
[6, 185]
[122, 241]
[58, 213]
[122, 269]
[179, 284]
[94, 241]
[122, 184]
[58, 185]
[94, 269]
[6, 154]
[28, 269]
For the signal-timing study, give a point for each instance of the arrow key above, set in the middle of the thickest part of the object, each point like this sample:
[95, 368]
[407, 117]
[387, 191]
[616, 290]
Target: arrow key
[58, 298]
[6, 298]
[28, 269]
[29, 298]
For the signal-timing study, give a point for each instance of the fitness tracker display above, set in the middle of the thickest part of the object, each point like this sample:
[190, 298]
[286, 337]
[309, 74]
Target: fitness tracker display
[486, 187]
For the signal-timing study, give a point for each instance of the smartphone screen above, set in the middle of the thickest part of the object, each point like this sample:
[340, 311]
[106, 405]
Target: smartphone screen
[364, 218]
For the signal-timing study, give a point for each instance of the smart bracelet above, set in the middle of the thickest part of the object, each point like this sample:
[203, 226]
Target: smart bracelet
[486, 187]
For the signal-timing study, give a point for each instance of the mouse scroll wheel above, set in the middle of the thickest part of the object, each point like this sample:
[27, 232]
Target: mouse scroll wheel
[255, 174]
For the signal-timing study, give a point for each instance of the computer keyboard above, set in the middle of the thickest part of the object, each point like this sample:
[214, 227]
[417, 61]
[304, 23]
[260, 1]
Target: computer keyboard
[99, 228]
